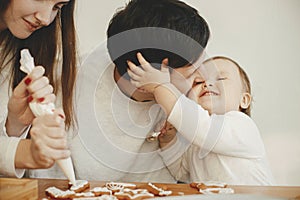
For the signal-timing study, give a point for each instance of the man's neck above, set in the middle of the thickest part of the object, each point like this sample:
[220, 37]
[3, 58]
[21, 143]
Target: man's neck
[129, 90]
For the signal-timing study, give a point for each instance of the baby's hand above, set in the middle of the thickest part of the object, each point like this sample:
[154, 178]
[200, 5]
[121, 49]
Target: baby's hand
[146, 77]
[167, 135]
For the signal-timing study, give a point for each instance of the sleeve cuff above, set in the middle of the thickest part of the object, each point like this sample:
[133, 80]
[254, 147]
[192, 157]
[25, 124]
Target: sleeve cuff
[4, 133]
[8, 163]
[175, 151]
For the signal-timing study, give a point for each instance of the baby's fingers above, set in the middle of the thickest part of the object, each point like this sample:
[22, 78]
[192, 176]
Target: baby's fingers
[135, 69]
[137, 84]
[132, 75]
[164, 65]
[144, 63]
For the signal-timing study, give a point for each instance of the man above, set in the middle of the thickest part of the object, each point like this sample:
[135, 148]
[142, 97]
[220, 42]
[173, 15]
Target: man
[115, 117]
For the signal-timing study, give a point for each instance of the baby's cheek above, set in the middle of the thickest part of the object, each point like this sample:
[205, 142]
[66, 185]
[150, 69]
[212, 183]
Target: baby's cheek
[193, 94]
[180, 82]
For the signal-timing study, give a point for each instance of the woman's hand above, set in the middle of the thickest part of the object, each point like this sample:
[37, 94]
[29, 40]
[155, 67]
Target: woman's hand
[49, 139]
[34, 87]
[48, 143]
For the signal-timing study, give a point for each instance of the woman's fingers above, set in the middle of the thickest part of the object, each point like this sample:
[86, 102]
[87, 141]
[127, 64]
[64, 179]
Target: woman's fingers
[38, 84]
[45, 156]
[35, 83]
[49, 138]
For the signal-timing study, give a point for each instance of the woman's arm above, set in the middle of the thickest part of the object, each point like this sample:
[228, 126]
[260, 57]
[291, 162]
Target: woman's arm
[48, 143]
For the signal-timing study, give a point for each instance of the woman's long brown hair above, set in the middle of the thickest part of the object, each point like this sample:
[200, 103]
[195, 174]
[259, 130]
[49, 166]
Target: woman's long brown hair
[58, 40]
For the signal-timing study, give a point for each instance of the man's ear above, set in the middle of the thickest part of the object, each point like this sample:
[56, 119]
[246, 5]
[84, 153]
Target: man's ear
[245, 100]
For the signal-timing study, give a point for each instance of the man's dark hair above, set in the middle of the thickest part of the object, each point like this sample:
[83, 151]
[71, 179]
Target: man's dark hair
[158, 29]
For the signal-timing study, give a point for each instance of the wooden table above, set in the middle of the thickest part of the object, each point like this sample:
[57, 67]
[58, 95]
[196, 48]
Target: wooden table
[11, 188]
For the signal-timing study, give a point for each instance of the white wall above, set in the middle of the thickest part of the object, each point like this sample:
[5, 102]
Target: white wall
[264, 38]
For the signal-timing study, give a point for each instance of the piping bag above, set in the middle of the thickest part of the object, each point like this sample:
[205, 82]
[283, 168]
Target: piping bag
[38, 109]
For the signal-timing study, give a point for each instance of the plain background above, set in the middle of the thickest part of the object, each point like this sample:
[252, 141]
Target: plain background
[264, 38]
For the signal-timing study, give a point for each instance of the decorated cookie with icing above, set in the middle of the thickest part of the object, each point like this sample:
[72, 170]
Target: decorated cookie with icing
[117, 187]
[217, 191]
[212, 187]
[103, 197]
[81, 185]
[158, 191]
[208, 184]
[133, 194]
[56, 193]
[99, 191]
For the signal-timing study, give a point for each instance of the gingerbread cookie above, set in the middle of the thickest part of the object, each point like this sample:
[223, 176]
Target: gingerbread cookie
[208, 184]
[133, 194]
[84, 194]
[212, 187]
[56, 193]
[117, 187]
[99, 191]
[216, 191]
[158, 191]
[81, 185]
[104, 197]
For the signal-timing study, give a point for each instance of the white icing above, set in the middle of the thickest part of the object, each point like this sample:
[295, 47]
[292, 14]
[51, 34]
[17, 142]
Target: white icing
[165, 193]
[78, 184]
[226, 191]
[117, 185]
[101, 189]
[136, 193]
[160, 190]
[103, 197]
[114, 186]
[128, 185]
[214, 183]
[85, 194]
[217, 190]
[59, 193]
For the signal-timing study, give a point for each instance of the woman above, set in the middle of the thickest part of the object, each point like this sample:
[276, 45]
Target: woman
[46, 28]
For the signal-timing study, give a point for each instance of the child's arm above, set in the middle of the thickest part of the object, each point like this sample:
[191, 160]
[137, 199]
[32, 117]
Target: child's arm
[179, 167]
[187, 121]
[154, 81]
[175, 157]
